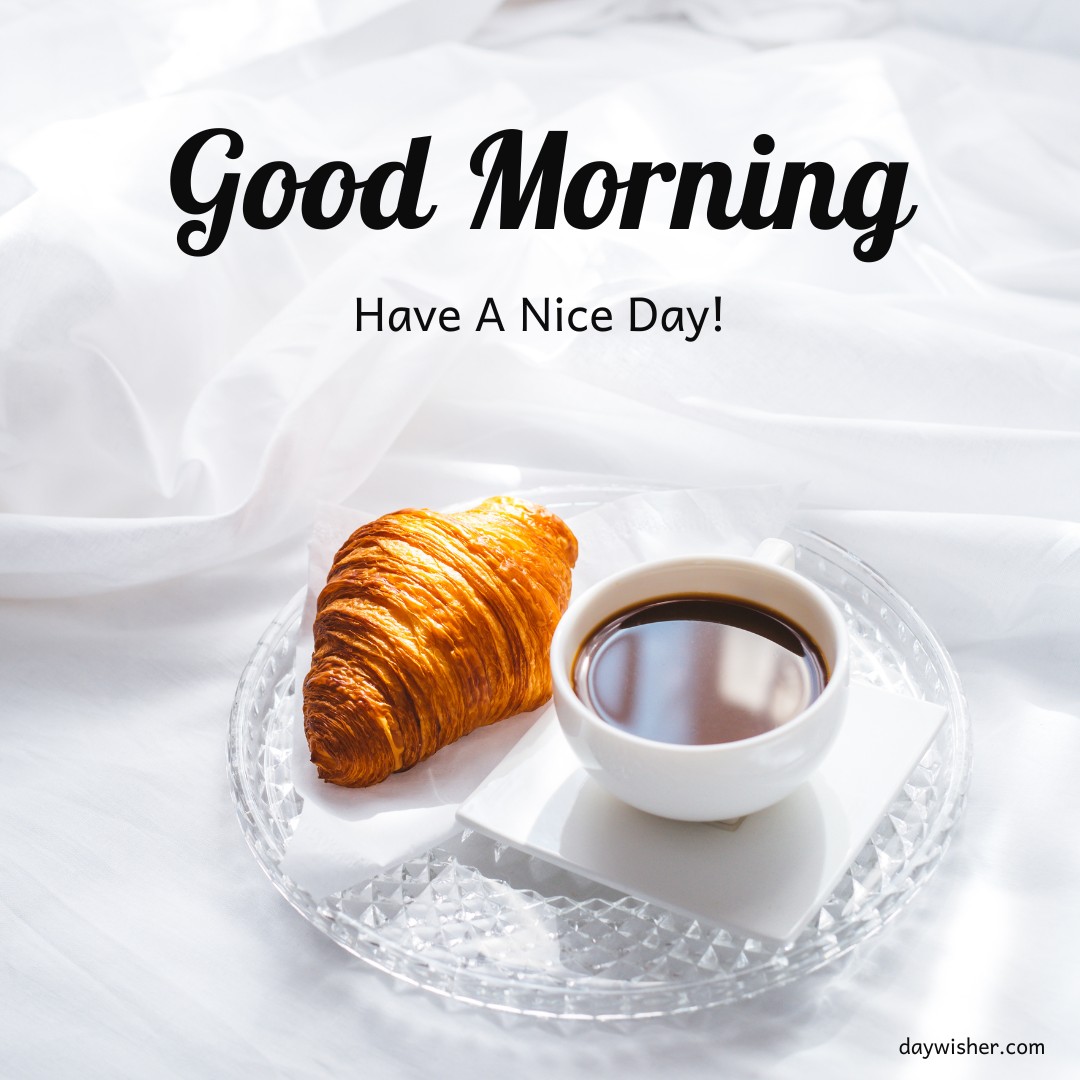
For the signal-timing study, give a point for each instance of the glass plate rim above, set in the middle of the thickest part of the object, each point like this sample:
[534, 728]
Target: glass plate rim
[267, 851]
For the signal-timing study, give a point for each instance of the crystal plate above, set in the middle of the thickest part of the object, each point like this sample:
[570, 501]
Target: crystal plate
[491, 926]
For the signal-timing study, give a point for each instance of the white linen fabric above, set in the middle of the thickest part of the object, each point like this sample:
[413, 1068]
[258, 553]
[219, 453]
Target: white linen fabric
[168, 424]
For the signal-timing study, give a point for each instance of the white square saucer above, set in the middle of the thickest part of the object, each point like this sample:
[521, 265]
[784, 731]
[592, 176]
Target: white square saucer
[764, 876]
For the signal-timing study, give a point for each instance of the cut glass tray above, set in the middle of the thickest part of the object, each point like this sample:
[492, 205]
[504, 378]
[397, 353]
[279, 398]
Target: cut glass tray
[489, 925]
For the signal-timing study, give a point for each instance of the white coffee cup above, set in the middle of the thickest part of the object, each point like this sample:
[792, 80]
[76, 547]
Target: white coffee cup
[717, 781]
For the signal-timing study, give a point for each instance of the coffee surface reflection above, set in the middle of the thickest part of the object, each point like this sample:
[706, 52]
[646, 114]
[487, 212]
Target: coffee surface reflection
[697, 670]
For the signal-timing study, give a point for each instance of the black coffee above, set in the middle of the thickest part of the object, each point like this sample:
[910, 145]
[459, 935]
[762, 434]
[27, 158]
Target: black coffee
[698, 670]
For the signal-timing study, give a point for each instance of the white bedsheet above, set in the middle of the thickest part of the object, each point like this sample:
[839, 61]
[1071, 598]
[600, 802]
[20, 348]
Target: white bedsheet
[167, 425]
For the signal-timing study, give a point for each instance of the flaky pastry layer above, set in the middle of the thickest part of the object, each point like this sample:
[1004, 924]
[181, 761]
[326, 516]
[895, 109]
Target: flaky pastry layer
[430, 626]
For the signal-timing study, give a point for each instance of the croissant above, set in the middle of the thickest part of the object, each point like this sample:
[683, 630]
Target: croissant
[430, 626]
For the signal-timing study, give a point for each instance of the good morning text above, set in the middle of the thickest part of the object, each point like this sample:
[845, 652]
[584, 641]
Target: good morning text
[541, 194]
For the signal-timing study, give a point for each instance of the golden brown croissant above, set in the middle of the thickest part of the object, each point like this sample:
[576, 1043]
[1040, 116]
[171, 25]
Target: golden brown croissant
[430, 626]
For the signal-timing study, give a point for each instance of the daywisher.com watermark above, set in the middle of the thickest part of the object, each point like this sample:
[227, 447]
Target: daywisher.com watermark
[950, 1047]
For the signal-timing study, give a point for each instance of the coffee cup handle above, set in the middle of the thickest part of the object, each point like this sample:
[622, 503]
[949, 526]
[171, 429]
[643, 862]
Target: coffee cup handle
[777, 552]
